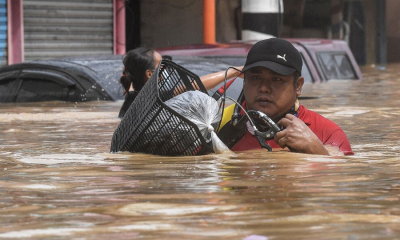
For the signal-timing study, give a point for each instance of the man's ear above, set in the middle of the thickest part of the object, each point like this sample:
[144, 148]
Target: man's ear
[299, 85]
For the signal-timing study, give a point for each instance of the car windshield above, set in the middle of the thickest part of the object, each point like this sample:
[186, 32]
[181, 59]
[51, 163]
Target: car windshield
[336, 65]
[241, 60]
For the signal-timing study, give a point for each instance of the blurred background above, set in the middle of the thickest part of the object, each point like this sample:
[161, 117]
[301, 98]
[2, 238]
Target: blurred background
[37, 29]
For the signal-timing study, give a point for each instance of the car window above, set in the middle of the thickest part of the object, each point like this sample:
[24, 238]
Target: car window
[42, 90]
[41, 84]
[305, 71]
[9, 90]
[241, 60]
[8, 87]
[336, 65]
[32, 84]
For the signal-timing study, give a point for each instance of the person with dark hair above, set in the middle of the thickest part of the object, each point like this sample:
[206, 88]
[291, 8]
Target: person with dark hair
[272, 85]
[139, 65]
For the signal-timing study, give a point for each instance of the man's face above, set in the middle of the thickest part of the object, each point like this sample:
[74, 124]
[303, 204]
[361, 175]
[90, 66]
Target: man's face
[270, 92]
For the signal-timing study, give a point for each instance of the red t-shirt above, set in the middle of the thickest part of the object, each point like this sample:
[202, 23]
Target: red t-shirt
[327, 131]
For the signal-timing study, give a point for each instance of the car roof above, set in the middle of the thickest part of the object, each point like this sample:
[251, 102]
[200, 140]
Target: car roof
[106, 70]
[319, 56]
[97, 77]
[203, 66]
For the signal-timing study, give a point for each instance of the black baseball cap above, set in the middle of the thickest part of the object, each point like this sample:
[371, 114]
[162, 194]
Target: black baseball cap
[276, 54]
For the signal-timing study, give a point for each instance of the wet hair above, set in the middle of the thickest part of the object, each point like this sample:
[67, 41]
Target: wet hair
[136, 62]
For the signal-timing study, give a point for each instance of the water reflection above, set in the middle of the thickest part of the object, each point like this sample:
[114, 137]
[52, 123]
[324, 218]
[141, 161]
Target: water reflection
[59, 181]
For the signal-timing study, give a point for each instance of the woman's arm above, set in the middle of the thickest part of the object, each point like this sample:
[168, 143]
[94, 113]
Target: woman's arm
[212, 80]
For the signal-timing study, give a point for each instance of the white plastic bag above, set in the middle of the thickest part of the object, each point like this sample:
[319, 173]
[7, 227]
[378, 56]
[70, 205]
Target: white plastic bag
[203, 111]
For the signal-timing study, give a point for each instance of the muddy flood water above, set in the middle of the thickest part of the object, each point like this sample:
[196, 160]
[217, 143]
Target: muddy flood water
[59, 181]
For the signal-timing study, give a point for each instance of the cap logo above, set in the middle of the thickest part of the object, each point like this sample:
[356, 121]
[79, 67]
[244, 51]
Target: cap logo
[284, 55]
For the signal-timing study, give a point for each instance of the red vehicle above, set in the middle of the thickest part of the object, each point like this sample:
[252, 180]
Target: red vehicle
[323, 59]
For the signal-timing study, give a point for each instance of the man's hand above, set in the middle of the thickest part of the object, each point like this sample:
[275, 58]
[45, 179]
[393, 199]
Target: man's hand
[298, 137]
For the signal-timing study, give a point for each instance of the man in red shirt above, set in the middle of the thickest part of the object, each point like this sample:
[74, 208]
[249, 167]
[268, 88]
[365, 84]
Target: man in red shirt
[272, 84]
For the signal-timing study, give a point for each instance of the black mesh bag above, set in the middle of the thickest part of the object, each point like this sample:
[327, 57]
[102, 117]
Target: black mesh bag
[151, 126]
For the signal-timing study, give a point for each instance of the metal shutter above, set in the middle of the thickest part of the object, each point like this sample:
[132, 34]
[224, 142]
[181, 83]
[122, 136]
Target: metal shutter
[3, 33]
[67, 28]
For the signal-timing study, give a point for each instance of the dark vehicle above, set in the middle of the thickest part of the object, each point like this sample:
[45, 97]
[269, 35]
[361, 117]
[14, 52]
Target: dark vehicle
[323, 59]
[79, 79]
[67, 79]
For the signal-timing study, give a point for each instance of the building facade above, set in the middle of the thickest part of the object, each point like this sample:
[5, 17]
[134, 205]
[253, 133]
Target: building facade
[37, 29]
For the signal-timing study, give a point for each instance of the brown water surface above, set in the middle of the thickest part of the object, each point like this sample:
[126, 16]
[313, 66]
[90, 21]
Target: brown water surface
[59, 181]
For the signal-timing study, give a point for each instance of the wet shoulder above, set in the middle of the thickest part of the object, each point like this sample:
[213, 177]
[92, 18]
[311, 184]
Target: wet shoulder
[317, 122]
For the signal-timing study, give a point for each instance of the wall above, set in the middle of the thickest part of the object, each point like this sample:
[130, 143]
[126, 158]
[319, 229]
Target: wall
[171, 22]
[176, 22]
[392, 30]
[228, 20]
[370, 31]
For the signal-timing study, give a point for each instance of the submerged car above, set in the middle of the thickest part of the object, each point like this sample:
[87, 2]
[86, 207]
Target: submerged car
[79, 79]
[97, 78]
[67, 79]
[323, 59]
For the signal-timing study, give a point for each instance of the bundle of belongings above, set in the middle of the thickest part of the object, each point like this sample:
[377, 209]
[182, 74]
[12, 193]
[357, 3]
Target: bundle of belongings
[171, 116]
